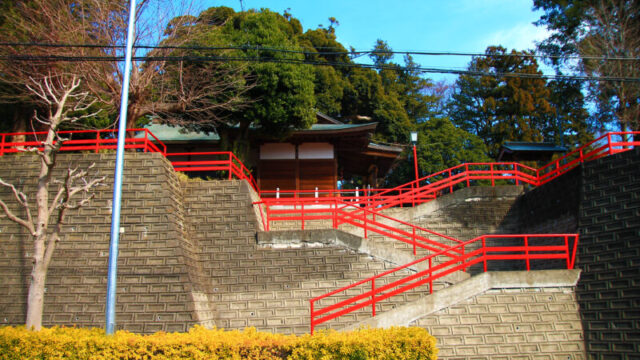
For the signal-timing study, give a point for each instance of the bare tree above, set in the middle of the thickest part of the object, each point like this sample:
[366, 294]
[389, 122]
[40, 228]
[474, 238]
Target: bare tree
[159, 85]
[203, 92]
[59, 94]
[605, 34]
[56, 95]
[615, 32]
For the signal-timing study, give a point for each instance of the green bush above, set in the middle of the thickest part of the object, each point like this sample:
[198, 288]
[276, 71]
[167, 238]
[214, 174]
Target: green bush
[200, 343]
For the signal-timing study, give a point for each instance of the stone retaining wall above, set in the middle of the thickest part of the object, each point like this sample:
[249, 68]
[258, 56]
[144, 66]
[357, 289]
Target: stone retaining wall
[531, 323]
[609, 255]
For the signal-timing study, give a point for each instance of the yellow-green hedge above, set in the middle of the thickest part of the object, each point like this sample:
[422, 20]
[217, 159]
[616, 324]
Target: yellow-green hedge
[200, 343]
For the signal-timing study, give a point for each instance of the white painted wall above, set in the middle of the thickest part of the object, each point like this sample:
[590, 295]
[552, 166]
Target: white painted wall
[277, 151]
[315, 151]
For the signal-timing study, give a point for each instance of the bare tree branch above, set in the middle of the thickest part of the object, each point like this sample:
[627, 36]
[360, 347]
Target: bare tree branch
[22, 200]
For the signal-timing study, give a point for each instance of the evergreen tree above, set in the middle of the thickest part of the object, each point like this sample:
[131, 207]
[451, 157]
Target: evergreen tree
[570, 125]
[497, 107]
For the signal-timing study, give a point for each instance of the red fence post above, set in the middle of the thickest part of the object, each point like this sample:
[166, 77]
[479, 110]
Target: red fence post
[2, 146]
[466, 170]
[464, 252]
[573, 252]
[493, 181]
[484, 253]
[373, 297]
[450, 186]
[413, 194]
[230, 165]
[335, 214]
[526, 252]
[311, 315]
[414, 240]
[609, 143]
[566, 244]
[97, 141]
[515, 173]
[146, 140]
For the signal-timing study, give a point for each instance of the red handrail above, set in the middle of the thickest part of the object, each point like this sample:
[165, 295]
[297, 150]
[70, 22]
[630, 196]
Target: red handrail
[214, 161]
[91, 143]
[459, 261]
[97, 140]
[340, 212]
[429, 187]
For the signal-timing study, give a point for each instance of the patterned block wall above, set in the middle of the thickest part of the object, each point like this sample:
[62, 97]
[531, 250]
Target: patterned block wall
[158, 284]
[552, 207]
[533, 323]
[609, 255]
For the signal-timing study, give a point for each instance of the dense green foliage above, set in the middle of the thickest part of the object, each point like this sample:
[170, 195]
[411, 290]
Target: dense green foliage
[282, 97]
[442, 145]
[200, 343]
[286, 96]
[265, 93]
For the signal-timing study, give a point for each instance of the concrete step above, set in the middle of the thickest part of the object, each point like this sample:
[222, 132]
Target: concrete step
[406, 314]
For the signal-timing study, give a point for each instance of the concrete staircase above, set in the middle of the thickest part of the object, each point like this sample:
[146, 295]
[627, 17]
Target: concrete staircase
[411, 312]
[190, 255]
[464, 214]
[513, 314]
[268, 287]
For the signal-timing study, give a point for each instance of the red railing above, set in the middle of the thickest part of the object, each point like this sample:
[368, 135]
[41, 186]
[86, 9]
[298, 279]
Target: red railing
[429, 187]
[607, 144]
[97, 140]
[212, 162]
[417, 191]
[85, 140]
[446, 181]
[553, 247]
[339, 212]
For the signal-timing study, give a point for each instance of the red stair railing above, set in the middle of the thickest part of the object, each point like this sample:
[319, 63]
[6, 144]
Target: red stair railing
[608, 144]
[563, 247]
[339, 212]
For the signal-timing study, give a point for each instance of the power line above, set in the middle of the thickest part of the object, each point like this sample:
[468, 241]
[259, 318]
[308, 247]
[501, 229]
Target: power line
[420, 69]
[327, 53]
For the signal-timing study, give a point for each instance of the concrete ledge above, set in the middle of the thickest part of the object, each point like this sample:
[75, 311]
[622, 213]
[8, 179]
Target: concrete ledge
[333, 237]
[324, 237]
[476, 285]
[287, 238]
[473, 193]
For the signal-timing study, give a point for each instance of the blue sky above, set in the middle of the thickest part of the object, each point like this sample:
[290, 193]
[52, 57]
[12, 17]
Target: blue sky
[418, 25]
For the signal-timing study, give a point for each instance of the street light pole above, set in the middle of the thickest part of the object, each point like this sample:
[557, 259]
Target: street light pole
[414, 140]
[110, 311]
[415, 161]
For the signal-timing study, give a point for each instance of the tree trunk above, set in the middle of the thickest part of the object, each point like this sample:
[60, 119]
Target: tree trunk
[19, 126]
[35, 298]
[133, 114]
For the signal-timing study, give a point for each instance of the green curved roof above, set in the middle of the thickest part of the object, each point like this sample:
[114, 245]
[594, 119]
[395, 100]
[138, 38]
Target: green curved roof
[177, 133]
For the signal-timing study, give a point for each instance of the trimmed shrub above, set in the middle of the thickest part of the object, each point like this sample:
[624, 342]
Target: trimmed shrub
[200, 343]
